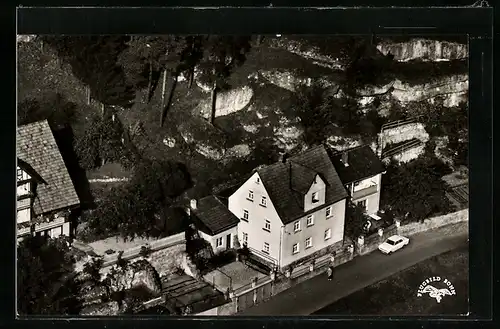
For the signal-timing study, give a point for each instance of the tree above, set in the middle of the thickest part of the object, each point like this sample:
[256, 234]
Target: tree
[415, 189]
[52, 107]
[45, 278]
[355, 220]
[93, 268]
[130, 211]
[94, 61]
[221, 55]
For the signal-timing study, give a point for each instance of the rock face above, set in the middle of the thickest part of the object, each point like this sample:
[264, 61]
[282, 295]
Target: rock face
[166, 261]
[287, 134]
[291, 82]
[101, 309]
[135, 274]
[342, 143]
[227, 102]
[238, 151]
[307, 51]
[423, 49]
[209, 151]
[452, 89]
[404, 133]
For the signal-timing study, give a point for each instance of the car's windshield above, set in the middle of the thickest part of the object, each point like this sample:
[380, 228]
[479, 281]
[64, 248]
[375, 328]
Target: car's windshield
[391, 242]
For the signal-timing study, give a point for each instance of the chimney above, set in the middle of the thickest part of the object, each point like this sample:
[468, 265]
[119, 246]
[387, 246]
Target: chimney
[193, 204]
[345, 159]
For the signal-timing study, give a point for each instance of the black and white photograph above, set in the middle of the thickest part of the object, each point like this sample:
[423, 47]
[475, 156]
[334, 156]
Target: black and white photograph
[245, 175]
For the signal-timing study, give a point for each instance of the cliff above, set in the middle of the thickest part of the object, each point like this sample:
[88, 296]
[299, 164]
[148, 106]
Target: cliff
[424, 49]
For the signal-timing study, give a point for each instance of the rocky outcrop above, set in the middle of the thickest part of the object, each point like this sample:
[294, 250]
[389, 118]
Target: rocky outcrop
[424, 49]
[291, 81]
[210, 151]
[310, 52]
[453, 90]
[25, 37]
[403, 133]
[166, 261]
[238, 151]
[288, 134]
[139, 273]
[110, 308]
[342, 143]
[227, 102]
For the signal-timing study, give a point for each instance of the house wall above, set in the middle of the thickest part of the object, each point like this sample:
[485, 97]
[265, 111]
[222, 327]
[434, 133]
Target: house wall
[316, 232]
[23, 215]
[372, 200]
[320, 187]
[212, 239]
[258, 214]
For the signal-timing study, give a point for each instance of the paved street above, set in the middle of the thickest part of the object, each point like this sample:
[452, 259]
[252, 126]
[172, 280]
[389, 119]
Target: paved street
[317, 293]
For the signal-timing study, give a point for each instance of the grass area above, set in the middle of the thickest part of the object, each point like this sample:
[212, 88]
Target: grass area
[397, 295]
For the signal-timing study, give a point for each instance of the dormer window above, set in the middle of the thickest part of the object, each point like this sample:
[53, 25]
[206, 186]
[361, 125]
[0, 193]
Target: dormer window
[315, 197]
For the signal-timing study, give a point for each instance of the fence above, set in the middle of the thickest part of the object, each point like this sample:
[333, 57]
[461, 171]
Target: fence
[386, 153]
[399, 123]
[109, 260]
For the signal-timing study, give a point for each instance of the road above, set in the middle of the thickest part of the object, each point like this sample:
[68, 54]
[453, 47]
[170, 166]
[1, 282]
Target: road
[312, 295]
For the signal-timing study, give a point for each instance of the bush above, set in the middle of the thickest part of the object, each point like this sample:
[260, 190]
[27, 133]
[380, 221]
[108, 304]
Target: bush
[415, 189]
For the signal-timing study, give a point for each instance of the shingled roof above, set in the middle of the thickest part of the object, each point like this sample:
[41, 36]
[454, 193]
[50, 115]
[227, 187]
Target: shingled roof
[362, 163]
[213, 216]
[37, 147]
[283, 181]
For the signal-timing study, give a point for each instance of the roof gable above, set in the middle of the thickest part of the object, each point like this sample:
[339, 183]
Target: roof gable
[363, 163]
[288, 201]
[37, 147]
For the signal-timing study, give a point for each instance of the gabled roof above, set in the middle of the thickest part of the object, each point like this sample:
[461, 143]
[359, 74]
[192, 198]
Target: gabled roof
[212, 216]
[29, 169]
[37, 147]
[362, 163]
[280, 182]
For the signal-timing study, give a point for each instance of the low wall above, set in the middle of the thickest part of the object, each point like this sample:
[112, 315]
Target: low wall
[435, 222]
[372, 241]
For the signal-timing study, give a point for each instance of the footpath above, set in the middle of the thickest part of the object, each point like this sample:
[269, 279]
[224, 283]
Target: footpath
[312, 295]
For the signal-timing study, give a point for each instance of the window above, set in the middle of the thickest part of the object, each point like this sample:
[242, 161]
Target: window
[328, 234]
[295, 248]
[19, 174]
[266, 248]
[309, 242]
[296, 226]
[218, 242]
[315, 197]
[263, 201]
[328, 212]
[257, 180]
[310, 220]
[245, 215]
[356, 184]
[267, 226]
[245, 238]
[250, 195]
[362, 204]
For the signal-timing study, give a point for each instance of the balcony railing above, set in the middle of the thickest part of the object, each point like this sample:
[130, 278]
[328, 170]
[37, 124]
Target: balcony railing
[364, 192]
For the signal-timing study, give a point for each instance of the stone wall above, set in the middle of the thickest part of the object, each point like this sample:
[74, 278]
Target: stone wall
[166, 261]
[435, 222]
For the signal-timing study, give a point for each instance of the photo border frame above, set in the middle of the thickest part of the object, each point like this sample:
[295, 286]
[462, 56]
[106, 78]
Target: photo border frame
[475, 22]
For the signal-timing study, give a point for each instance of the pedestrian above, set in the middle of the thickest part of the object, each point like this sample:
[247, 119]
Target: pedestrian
[329, 271]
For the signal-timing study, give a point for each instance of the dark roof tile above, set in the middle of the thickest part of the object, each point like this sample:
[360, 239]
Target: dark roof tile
[214, 216]
[37, 147]
[362, 163]
[284, 181]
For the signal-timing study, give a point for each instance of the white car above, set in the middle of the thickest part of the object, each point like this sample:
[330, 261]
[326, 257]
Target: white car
[393, 244]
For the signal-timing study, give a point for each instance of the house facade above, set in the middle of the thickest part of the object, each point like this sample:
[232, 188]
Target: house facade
[360, 170]
[291, 209]
[45, 192]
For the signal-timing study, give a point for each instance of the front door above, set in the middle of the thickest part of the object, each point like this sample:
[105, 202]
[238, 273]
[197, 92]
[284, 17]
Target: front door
[228, 241]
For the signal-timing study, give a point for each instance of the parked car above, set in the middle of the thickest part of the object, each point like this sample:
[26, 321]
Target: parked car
[393, 244]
